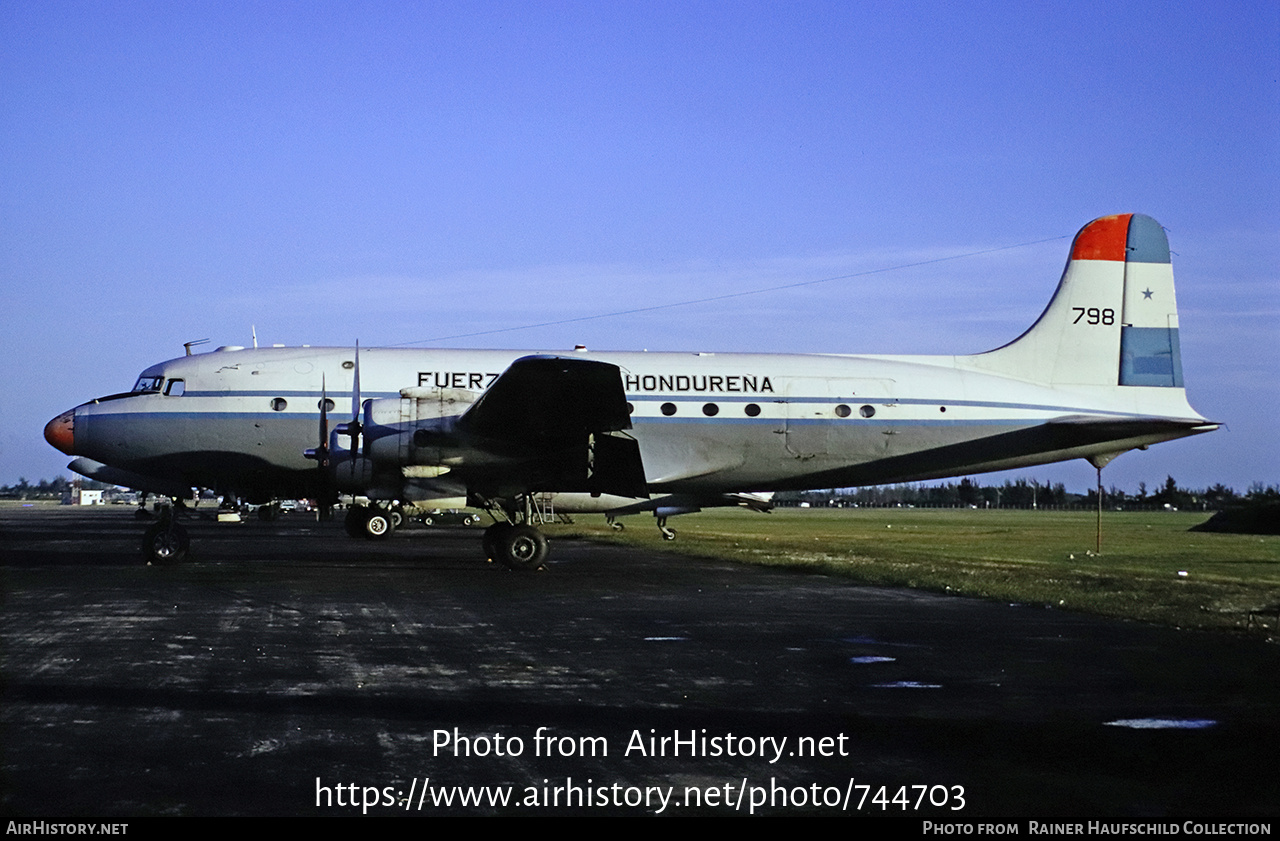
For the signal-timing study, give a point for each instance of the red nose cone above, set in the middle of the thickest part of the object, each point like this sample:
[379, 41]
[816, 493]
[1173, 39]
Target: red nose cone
[60, 432]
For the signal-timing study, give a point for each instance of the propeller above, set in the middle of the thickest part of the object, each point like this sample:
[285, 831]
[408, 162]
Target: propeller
[354, 428]
[321, 453]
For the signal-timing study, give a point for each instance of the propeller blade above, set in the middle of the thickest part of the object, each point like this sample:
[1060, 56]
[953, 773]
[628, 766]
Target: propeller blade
[355, 406]
[323, 449]
[355, 387]
[321, 453]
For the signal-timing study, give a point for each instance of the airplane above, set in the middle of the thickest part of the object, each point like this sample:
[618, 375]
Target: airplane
[1099, 373]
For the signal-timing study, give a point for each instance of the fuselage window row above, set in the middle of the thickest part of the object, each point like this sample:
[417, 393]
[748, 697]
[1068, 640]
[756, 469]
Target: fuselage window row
[752, 410]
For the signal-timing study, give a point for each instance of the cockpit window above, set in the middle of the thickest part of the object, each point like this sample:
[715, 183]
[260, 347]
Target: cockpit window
[146, 385]
[175, 388]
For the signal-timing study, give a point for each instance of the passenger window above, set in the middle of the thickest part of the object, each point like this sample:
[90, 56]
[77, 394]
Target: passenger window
[752, 410]
[710, 410]
[175, 388]
[668, 409]
[279, 404]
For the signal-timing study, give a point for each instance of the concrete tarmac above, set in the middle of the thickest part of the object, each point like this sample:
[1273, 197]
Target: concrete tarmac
[286, 669]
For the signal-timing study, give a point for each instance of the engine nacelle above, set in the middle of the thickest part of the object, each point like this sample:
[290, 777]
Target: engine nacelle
[414, 428]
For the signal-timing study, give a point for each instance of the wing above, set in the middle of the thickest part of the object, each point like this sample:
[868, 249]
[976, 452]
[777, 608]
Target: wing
[557, 423]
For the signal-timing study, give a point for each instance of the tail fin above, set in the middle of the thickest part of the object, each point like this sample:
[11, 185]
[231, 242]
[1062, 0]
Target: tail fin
[1113, 320]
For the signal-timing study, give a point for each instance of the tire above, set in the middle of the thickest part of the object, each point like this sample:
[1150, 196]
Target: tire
[165, 544]
[378, 525]
[397, 518]
[522, 548]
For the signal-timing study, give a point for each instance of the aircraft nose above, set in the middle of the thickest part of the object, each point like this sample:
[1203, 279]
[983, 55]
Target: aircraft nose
[61, 431]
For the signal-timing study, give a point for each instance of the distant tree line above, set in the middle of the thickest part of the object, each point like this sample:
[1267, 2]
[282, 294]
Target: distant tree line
[55, 488]
[1028, 493]
[1021, 493]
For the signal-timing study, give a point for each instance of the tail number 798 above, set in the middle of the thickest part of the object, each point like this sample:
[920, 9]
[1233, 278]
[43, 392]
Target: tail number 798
[1093, 315]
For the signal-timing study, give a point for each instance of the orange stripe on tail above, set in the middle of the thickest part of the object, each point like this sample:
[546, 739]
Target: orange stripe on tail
[1103, 239]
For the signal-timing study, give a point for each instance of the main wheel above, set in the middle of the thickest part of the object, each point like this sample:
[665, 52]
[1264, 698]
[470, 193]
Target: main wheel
[378, 525]
[522, 547]
[165, 543]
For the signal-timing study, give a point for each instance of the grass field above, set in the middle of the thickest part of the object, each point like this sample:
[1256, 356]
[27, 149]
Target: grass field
[1043, 557]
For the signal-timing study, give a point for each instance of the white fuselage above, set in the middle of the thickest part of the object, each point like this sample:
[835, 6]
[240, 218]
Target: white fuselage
[241, 419]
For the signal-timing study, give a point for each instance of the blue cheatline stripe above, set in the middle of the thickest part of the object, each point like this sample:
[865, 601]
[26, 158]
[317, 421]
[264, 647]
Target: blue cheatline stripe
[335, 396]
[336, 414]
[715, 397]
[1150, 356]
[692, 397]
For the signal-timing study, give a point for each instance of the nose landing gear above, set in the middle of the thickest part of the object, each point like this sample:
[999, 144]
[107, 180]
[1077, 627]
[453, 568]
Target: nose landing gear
[165, 542]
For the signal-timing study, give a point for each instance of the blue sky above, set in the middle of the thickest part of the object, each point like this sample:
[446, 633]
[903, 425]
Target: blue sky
[405, 172]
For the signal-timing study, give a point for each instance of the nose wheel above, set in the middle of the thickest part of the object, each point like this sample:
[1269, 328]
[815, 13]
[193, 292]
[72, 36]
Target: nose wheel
[165, 542]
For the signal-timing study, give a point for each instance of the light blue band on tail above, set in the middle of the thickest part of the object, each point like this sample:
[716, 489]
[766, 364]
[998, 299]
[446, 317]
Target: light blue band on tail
[1150, 356]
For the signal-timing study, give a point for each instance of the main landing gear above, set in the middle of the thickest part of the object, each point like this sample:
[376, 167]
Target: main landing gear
[372, 522]
[515, 546]
[511, 541]
[514, 541]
